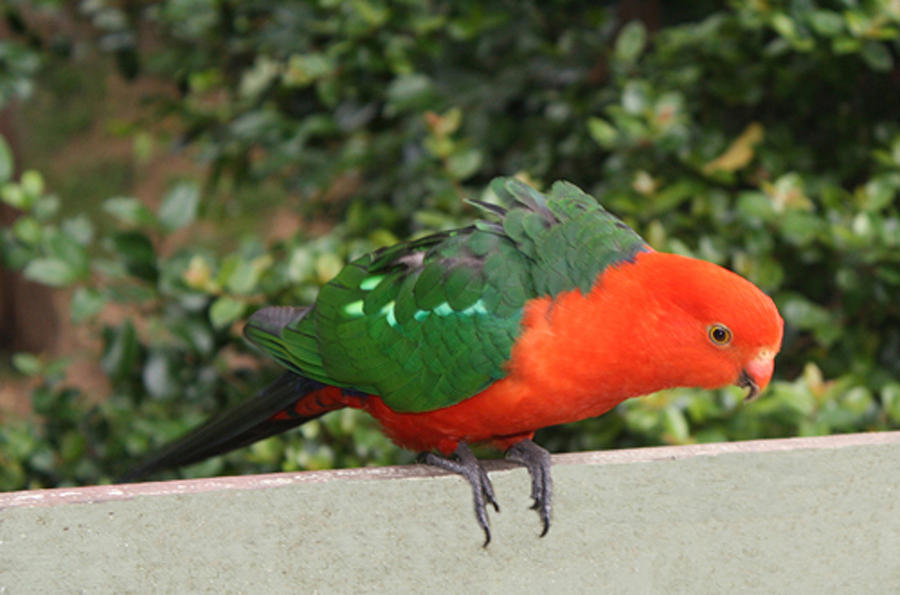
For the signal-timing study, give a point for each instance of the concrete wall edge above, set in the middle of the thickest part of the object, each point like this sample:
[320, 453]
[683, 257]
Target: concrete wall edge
[106, 493]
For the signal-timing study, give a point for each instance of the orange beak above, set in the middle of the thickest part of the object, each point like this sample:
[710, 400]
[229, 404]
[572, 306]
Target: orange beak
[757, 373]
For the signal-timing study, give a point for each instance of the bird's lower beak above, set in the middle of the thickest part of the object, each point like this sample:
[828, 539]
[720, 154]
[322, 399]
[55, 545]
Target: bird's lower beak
[756, 374]
[746, 382]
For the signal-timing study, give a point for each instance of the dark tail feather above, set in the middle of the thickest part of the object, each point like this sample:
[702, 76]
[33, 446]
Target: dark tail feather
[289, 401]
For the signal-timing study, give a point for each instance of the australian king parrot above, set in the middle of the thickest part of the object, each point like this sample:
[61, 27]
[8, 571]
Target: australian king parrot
[546, 311]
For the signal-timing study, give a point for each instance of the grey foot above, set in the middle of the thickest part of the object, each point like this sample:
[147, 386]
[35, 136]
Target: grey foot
[469, 467]
[537, 461]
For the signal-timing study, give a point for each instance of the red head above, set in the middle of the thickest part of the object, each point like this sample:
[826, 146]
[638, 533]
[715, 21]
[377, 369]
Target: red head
[718, 328]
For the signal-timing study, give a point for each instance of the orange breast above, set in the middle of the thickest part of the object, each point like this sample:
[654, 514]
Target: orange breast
[503, 414]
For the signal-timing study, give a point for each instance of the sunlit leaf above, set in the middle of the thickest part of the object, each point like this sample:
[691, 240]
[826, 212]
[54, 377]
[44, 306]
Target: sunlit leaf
[51, 271]
[225, 310]
[631, 41]
[6, 161]
[179, 207]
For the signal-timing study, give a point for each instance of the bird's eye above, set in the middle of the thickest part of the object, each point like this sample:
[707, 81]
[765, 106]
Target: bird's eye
[719, 334]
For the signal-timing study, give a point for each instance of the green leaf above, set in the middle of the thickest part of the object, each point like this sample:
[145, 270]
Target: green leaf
[784, 25]
[373, 14]
[826, 22]
[6, 161]
[143, 147]
[464, 164]
[196, 334]
[44, 206]
[14, 196]
[67, 249]
[755, 205]
[179, 207]
[32, 183]
[631, 42]
[121, 351]
[675, 425]
[634, 97]
[72, 446]
[129, 210]
[410, 92]
[136, 251]
[603, 132]
[845, 45]
[27, 363]
[800, 228]
[878, 192]
[79, 228]
[877, 56]
[28, 230]
[890, 399]
[304, 69]
[85, 303]
[807, 315]
[245, 274]
[51, 271]
[225, 310]
[157, 376]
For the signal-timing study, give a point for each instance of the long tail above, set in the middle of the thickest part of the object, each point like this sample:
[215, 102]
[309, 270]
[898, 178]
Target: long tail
[289, 401]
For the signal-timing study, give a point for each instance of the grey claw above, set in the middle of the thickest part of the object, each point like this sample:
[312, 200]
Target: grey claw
[537, 461]
[469, 467]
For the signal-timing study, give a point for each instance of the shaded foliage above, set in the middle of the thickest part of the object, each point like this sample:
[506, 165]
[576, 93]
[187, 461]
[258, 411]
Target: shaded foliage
[760, 136]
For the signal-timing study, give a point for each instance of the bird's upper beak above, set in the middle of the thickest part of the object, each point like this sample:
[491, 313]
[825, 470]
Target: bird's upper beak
[756, 374]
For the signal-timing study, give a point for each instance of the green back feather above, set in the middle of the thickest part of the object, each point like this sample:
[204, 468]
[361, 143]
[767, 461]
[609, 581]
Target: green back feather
[428, 323]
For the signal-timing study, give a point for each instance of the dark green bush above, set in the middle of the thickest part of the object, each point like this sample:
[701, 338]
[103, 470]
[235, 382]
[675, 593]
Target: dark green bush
[762, 136]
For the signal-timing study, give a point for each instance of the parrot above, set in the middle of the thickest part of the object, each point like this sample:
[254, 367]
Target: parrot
[546, 310]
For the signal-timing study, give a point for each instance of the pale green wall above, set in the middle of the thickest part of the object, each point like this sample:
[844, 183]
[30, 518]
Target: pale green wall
[803, 516]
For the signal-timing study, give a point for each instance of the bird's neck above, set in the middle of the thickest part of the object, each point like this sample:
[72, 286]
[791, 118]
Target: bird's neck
[604, 346]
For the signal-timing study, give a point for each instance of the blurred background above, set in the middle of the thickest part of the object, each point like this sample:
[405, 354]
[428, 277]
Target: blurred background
[166, 167]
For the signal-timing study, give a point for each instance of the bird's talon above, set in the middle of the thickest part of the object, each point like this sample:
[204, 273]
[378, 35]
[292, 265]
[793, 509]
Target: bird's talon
[469, 467]
[537, 461]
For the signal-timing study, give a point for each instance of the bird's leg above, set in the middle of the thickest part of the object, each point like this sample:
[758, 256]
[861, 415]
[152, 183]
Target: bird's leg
[537, 461]
[469, 467]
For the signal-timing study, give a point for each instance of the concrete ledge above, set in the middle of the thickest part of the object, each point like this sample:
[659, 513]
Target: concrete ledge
[792, 515]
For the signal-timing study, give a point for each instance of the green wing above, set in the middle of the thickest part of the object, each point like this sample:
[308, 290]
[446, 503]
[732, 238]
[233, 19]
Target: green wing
[428, 323]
